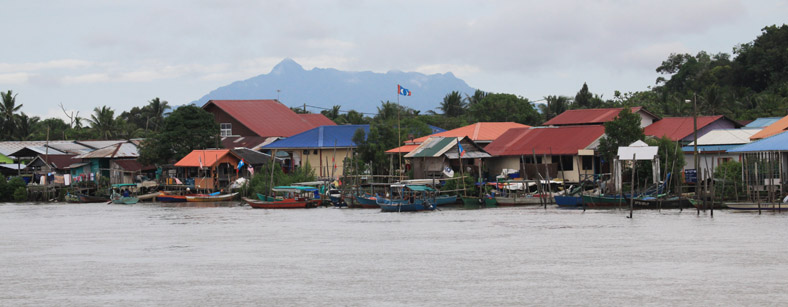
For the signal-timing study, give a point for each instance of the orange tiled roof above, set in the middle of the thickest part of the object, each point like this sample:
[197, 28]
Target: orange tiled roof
[478, 132]
[777, 127]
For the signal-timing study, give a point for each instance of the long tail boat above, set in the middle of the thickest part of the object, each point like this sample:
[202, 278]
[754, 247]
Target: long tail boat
[291, 197]
[208, 197]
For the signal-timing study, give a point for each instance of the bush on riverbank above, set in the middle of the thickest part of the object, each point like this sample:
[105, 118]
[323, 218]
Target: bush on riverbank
[8, 189]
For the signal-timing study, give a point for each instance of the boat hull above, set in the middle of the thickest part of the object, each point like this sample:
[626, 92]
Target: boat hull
[520, 201]
[476, 203]
[205, 198]
[91, 199]
[754, 206]
[125, 201]
[655, 203]
[569, 201]
[366, 202]
[406, 207]
[603, 201]
[280, 204]
[167, 198]
[445, 200]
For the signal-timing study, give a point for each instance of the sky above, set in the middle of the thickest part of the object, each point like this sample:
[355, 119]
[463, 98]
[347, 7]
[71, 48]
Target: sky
[83, 54]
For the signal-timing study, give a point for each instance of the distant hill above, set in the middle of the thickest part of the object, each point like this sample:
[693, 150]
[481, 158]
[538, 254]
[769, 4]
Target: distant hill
[326, 87]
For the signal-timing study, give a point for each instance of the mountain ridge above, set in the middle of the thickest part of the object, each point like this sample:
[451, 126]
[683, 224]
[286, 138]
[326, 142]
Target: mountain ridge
[325, 87]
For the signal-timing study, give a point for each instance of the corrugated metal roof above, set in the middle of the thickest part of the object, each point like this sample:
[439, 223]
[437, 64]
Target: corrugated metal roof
[777, 142]
[9, 147]
[132, 165]
[590, 116]
[96, 144]
[726, 137]
[207, 156]
[677, 128]
[433, 147]
[775, 128]
[762, 122]
[479, 132]
[705, 148]
[437, 146]
[32, 151]
[251, 142]
[268, 118]
[116, 151]
[403, 149]
[59, 161]
[253, 157]
[321, 137]
[562, 140]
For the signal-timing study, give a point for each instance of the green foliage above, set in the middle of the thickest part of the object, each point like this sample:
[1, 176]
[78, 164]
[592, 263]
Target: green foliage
[584, 99]
[186, 129]
[261, 181]
[731, 174]
[9, 190]
[621, 131]
[453, 105]
[504, 108]
[103, 123]
[383, 135]
[20, 194]
[470, 186]
[554, 105]
[671, 158]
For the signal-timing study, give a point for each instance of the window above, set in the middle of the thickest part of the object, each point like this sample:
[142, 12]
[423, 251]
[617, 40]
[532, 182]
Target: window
[530, 160]
[588, 163]
[565, 161]
[723, 160]
[225, 129]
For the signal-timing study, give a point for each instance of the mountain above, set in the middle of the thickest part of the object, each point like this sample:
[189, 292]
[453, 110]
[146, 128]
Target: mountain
[325, 87]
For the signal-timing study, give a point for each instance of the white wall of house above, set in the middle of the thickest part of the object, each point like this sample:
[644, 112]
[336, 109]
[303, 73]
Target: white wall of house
[706, 160]
[496, 164]
[645, 119]
[320, 160]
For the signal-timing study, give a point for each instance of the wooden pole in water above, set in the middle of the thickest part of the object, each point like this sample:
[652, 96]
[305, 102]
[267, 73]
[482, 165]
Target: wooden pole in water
[758, 197]
[632, 188]
[538, 180]
[462, 170]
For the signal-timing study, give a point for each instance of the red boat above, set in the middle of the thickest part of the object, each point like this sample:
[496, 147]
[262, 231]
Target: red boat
[170, 198]
[289, 203]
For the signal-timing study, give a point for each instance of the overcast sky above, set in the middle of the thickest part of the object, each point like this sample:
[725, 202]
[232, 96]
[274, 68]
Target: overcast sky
[86, 54]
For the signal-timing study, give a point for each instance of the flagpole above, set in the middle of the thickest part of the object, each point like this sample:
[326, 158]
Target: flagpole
[399, 135]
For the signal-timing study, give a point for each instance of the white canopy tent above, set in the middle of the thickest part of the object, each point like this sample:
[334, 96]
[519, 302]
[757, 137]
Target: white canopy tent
[639, 151]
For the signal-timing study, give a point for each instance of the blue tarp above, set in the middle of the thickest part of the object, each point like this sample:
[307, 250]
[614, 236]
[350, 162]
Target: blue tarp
[777, 142]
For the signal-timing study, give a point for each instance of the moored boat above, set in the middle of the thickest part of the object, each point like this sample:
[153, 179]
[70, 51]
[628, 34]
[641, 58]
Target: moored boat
[415, 198]
[366, 201]
[650, 202]
[288, 197]
[568, 202]
[170, 198]
[83, 198]
[208, 197]
[750, 206]
[600, 201]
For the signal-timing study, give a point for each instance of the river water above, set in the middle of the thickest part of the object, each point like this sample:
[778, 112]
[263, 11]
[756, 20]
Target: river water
[148, 254]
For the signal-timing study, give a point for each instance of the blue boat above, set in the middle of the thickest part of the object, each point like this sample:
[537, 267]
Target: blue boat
[569, 202]
[366, 201]
[417, 199]
[445, 200]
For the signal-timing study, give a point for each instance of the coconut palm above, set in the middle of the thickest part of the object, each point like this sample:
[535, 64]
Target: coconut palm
[453, 105]
[103, 122]
[7, 110]
[24, 126]
[156, 111]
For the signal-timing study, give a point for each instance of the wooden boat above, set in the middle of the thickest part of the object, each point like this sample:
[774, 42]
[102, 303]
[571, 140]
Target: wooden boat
[208, 197]
[127, 199]
[650, 202]
[121, 200]
[291, 197]
[445, 200]
[82, 198]
[416, 198]
[568, 202]
[531, 199]
[749, 206]
[170, 198]
[599, 201]
[366, 201]
[477, 203]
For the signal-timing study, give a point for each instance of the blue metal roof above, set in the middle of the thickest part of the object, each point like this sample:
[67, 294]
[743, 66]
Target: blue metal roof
[777, 142]
[321, 137]
[704, 148]
[436, 129]
[762, 122]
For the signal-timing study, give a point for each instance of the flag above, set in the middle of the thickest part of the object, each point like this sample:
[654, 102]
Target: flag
[200, 159]
[251, 170]
[403, 91]
[460, 149]
[241, 164]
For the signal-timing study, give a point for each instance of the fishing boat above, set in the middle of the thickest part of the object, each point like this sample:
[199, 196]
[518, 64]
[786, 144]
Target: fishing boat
[124, 194]
[367, 201]
[443, 200]
[149, 196]
[210, 197]
[288, 197]
[170, 198]
[568, 202]
[415, 198]
[524, 200]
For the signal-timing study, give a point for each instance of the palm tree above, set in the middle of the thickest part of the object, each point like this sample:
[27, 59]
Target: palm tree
[24, 126]
[554, 105]
[7, 110]
[156, 110]
[476, 98]
[453, 105]
[103, 122]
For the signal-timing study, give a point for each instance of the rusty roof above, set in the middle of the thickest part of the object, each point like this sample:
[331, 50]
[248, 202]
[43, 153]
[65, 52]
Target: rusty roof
[268, 117]
[566, 140]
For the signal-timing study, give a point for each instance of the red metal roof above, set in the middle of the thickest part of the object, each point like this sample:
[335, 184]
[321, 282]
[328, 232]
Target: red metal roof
[269, 117]
[59, 161]
[588, 116]
[677, 128]
[545, 140]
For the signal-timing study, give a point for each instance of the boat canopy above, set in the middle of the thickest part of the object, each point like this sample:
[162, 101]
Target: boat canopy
[294, 189]
[122, 185]
[420, 188]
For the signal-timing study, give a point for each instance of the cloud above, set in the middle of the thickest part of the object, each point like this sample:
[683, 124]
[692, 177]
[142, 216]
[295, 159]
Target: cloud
[48, 65]
[86, 79]
[14, 78]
